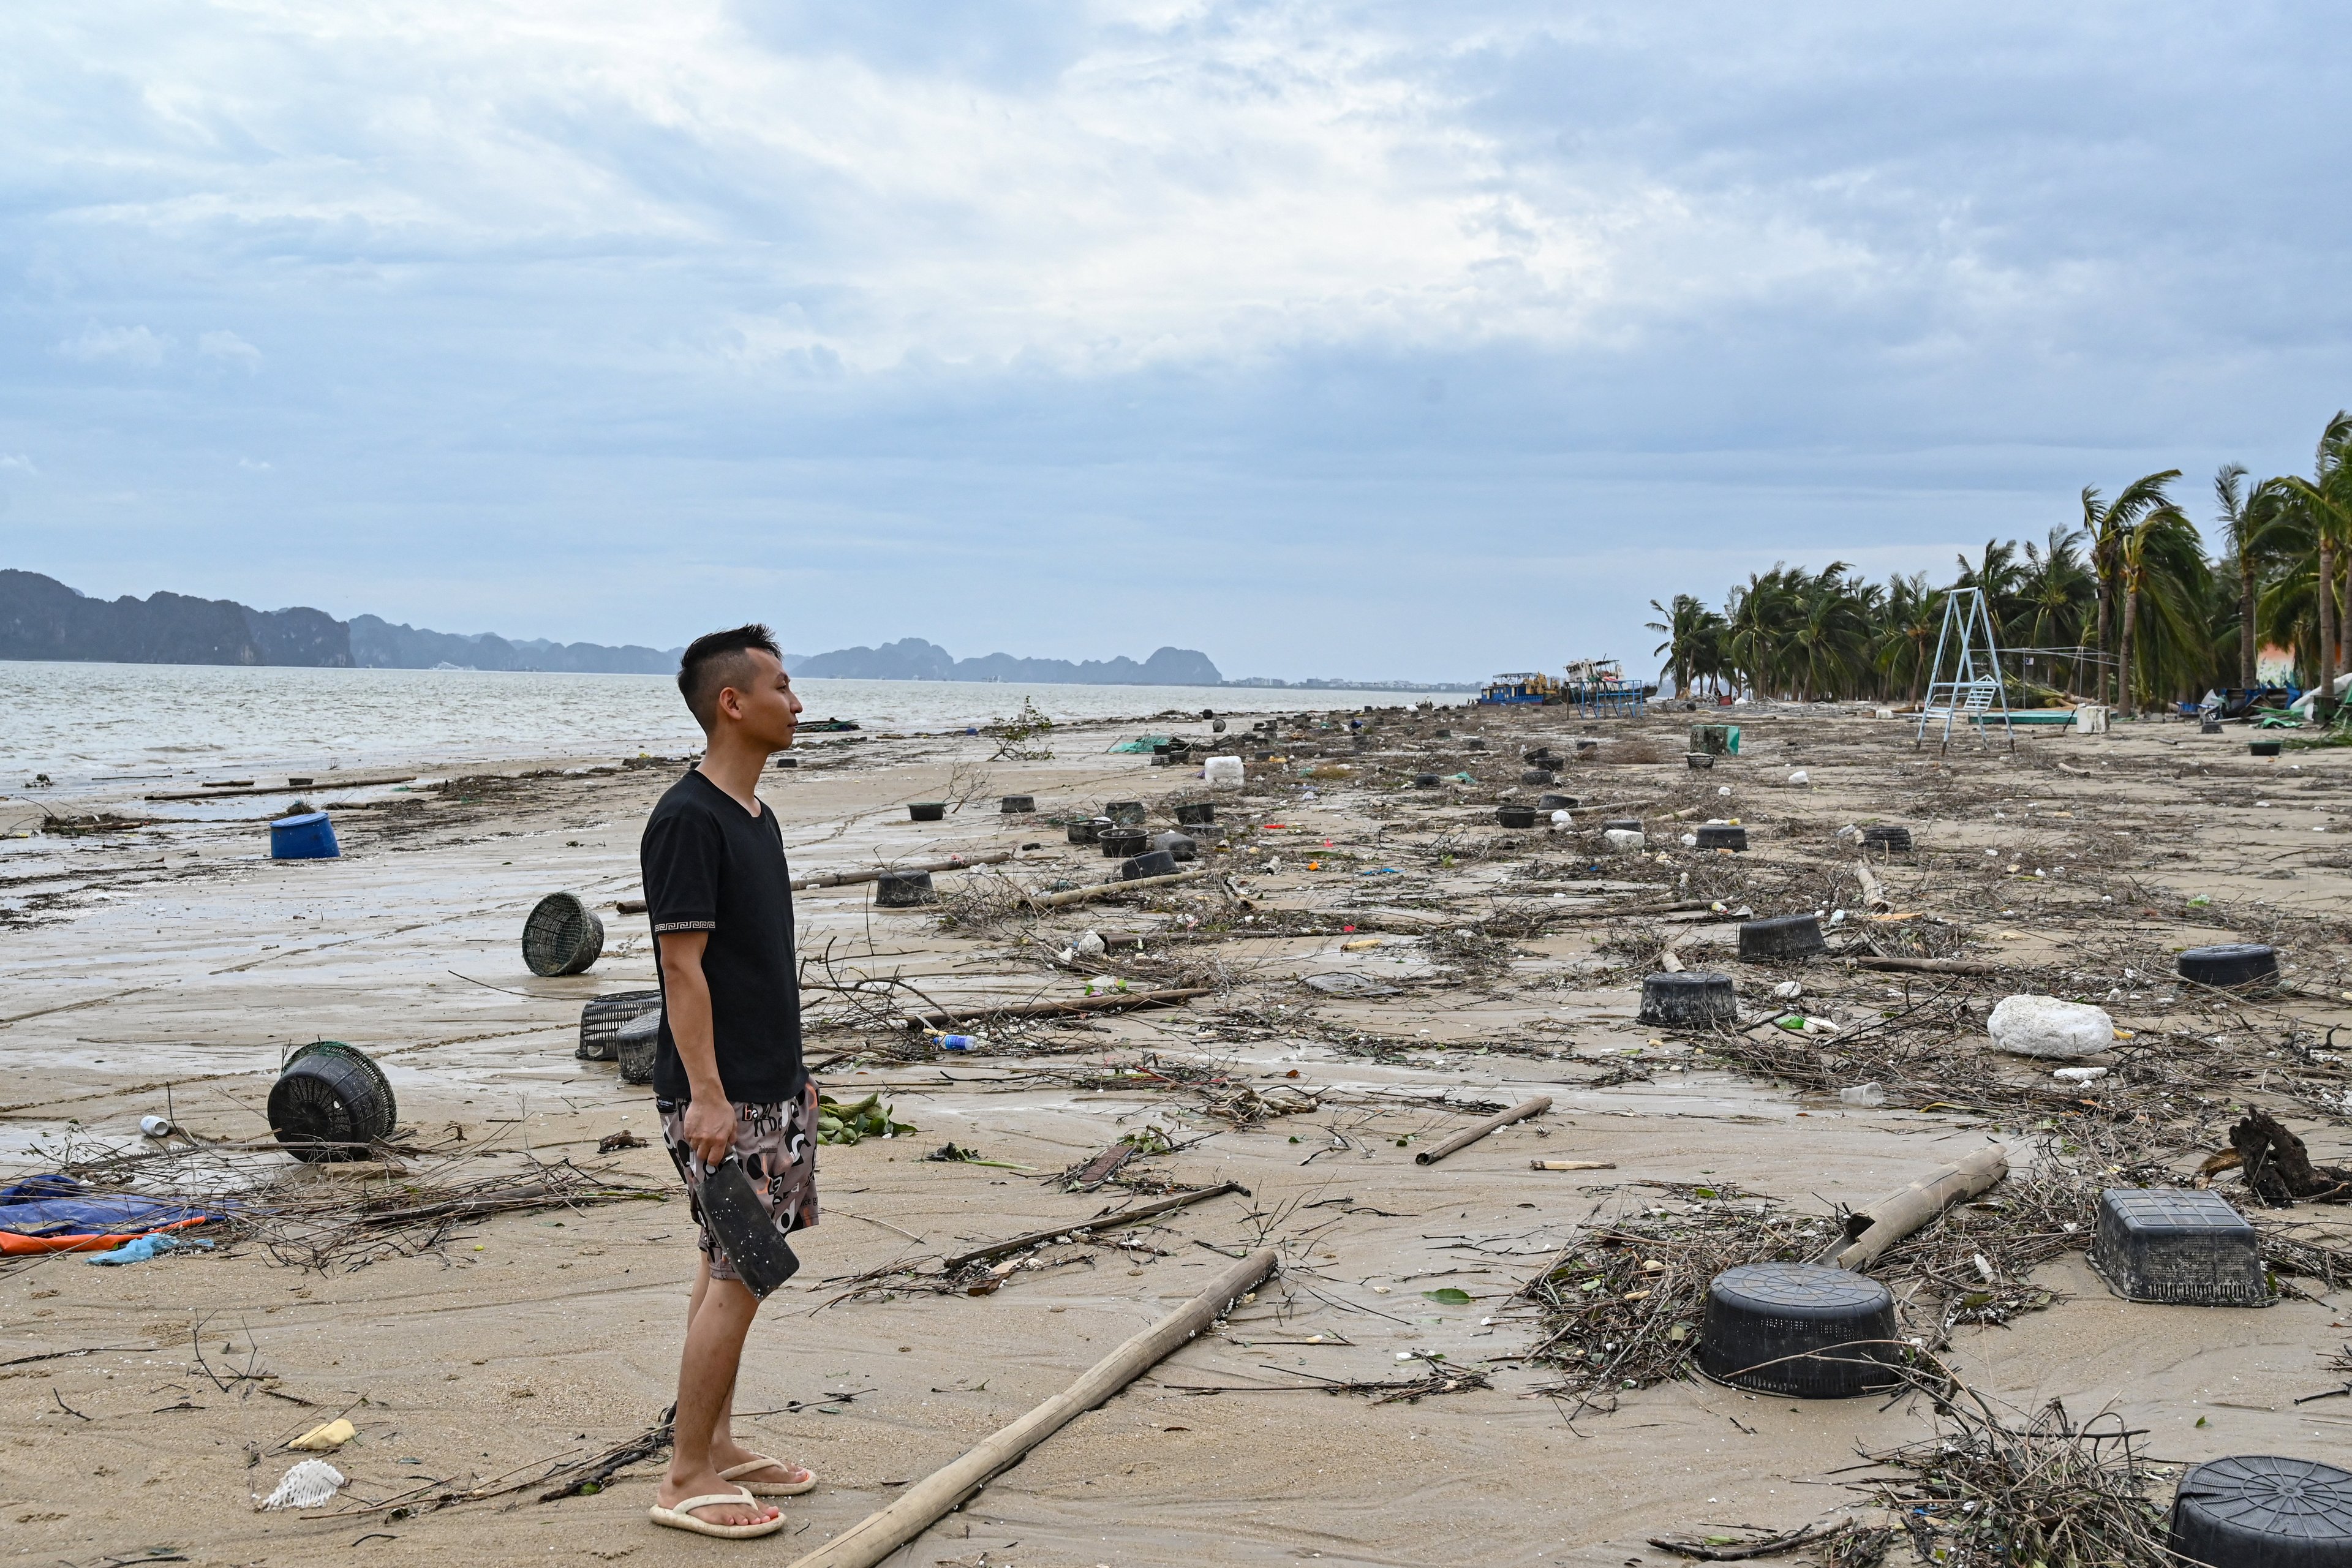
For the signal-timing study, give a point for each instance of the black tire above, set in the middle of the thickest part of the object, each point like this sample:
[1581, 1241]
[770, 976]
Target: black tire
[1689, 1001]
[904, 890]
[2230, 963]
[600, 1020]
[1782, 937]
[2260, 1510]
[1718, 837]
[1801, 1329]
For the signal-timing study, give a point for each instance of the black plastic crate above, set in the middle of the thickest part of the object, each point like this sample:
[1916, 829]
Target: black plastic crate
[2184, 1249]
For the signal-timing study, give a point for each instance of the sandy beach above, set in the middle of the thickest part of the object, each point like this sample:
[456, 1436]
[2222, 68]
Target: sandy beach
[167, 970]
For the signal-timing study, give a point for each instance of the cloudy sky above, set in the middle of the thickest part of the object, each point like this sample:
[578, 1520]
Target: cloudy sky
[1382, 340]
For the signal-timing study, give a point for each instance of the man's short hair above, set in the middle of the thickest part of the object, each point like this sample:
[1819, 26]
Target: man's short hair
[717, 660]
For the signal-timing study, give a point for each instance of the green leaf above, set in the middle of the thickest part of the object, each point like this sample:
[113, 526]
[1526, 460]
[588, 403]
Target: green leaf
[2200, 1421]
[1449, 1296]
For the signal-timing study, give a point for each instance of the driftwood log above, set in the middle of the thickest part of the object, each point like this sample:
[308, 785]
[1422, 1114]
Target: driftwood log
[1100, 1222]
[2278, 1167]
[1109, 1002]
[1470, 1135]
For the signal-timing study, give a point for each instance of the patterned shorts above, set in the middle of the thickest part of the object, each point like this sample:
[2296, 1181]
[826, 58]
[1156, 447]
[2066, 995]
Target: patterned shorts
[776, 1143]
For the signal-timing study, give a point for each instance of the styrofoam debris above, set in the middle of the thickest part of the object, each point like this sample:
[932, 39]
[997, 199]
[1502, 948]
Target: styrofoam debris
[310, 1484]
[2045, 1026]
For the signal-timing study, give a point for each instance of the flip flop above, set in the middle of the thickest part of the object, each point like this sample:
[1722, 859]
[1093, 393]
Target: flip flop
[682, 1517]
[768, 1488]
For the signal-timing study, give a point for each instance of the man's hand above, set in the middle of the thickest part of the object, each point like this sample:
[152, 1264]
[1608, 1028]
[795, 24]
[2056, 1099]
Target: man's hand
[711, 1128]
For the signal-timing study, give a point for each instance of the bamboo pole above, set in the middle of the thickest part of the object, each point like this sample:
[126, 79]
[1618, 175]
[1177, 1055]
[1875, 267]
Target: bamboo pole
[877, 1535]
[1112, 1002]
[1463, 1139]
[1104, 890]
[1901, 1212]
[876, 873]
[1100, 1222]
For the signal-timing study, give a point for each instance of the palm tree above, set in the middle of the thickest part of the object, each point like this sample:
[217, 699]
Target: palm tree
[1693, 645]
[1757, 623]
[2253, 524]
[2053, 592]
[1913, 616]
[2323, 504]
[2160, 567]
[2105, 523]
[1828, 636]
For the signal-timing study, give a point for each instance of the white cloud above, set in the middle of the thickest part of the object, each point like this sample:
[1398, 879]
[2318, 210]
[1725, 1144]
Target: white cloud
[17, 463]
[125, 345]
[225, 345]
[252, 466]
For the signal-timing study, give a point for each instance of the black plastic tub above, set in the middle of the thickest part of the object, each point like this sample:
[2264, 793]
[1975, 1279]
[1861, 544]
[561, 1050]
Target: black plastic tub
[1181, 845]
[1538, 777]
[1118, 843]
[1125, 812]
[2262, 747]
[1150, 863]
[2230, 963]
[1015, 805]
[1556, 803]
[1197, 812]
[1690, 1000]
[904, 890]
[1698, 758]
[2263, 1511]
[1515, 816]
[1782, 937]
[1803, 1330]
[1891, 836]
[928, 811]
[1089, 830]
[1721, 835]
[1424, 781]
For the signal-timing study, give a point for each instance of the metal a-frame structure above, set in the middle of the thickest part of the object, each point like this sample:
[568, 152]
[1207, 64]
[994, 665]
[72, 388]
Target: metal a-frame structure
[1974, 693]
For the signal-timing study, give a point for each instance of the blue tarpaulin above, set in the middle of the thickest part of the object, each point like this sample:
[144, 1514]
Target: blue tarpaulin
[42, 1206]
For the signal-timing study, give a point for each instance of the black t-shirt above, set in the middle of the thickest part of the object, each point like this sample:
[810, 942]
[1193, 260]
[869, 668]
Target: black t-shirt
[710, 865]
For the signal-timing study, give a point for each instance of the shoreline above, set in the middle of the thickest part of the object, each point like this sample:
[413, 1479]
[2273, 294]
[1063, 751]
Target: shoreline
[171, 958]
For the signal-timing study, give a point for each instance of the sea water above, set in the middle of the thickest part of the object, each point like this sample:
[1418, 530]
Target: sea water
[97, 725]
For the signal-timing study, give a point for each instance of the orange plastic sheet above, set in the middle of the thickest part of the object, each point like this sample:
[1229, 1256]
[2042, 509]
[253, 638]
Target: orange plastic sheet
[19, 1246]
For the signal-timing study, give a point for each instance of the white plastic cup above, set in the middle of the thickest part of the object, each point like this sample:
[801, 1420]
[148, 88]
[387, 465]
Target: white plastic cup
[154, 1126]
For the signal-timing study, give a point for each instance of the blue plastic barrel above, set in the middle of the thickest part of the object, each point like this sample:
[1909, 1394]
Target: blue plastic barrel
[309, 836]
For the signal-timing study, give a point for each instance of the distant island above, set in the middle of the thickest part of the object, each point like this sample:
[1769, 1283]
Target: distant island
[42, 618]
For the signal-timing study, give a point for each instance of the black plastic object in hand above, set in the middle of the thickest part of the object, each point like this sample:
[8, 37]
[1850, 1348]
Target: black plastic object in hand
[740, 1221]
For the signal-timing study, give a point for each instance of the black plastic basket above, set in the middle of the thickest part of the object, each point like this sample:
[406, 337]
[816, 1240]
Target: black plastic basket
[562, 936]
[1782, 937]
[601, 1020]
[904, 890]
[2261, 1511]
[1801, 1329]
[330, 1102]
[1689, 1000]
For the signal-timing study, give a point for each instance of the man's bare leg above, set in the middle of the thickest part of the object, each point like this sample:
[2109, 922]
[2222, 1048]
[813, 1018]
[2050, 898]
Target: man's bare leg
[726, 1453]
[721, 1313]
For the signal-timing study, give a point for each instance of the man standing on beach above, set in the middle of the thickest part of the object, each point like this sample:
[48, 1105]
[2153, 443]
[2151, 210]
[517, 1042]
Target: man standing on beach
[728, 1078]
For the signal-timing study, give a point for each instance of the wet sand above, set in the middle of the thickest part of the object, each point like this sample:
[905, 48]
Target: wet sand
[159, 967]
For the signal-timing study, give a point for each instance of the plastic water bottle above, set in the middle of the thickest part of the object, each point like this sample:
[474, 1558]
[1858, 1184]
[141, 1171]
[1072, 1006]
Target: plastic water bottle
[956, 1042]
